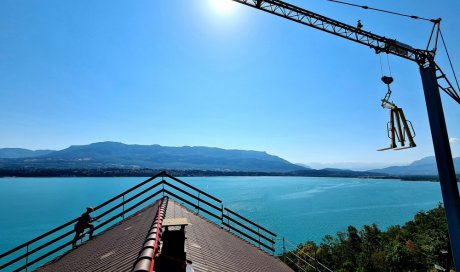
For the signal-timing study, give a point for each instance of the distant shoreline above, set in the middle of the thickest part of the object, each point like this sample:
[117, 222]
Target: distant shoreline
[121, 172]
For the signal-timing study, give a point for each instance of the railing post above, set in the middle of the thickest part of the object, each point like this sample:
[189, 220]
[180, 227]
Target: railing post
[123, 215]
[258, 233]
[27, 257]
[198, 209]
[228, 221]
[222, 213]
[284, 249]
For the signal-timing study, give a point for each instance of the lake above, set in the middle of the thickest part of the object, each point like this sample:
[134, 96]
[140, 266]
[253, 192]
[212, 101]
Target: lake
[298, 208]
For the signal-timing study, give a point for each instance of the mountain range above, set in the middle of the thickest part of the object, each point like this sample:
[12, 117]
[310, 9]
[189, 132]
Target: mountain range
[15, 153]
[122, 156]
[119, 155]
[423, 167]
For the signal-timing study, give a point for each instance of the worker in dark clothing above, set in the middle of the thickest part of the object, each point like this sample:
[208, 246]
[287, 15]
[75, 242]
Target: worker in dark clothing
[82, 224]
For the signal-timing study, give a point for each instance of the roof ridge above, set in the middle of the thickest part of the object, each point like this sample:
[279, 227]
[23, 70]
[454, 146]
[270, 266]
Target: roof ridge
[147, 254]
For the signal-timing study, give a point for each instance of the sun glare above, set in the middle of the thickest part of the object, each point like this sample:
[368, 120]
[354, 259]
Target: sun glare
[223, 6]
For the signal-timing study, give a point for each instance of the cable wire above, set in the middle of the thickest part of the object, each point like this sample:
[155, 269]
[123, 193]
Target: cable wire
[389, 67]
[385, 11]
[381, 65]
[448, 57]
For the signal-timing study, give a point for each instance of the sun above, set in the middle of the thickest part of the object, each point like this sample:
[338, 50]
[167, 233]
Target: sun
[223, 6]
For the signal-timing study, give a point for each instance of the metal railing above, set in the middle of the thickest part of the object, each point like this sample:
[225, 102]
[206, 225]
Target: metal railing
[213, 207]
[249, 230]
[43, 248]
[301, 261]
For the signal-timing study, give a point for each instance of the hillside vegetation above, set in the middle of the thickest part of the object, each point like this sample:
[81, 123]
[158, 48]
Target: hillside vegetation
[419, 245]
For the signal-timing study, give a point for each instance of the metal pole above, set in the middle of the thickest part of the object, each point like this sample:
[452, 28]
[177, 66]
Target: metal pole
[447, 178]
[228, 220]
[284, 249]
[27, 258]
[123, 206]
[258, 233]
[222, 213]
[198, 209]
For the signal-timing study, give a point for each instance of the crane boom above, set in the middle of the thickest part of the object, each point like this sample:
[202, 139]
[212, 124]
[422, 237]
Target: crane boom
[378, 43]
[430, 73]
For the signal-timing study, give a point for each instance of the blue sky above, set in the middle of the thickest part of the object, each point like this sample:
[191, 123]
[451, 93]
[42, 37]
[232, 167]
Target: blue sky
[195, 73]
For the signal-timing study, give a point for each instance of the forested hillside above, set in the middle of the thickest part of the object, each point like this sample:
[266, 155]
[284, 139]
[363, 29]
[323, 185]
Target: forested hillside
[419, 245]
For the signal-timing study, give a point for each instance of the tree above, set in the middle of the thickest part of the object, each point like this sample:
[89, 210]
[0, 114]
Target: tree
[417, 246]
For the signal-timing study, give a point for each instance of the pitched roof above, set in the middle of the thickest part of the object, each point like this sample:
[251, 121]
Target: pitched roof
[208, 246]
[115, 249]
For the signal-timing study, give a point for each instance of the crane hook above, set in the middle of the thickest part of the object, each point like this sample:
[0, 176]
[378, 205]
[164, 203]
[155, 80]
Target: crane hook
[386, 100]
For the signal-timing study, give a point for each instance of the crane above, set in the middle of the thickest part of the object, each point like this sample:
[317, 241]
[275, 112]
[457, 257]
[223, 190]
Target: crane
[433, 79]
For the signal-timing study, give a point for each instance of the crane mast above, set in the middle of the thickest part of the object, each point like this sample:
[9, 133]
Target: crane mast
[433, 79]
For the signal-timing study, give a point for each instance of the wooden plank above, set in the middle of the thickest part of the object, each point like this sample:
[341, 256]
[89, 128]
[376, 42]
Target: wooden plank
[171, 222]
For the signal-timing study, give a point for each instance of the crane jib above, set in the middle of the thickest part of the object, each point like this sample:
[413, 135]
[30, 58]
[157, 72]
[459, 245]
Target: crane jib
[303, 16]
[379, 43]
[399, 48]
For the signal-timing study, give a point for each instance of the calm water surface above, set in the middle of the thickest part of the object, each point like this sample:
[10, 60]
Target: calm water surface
[298, 208]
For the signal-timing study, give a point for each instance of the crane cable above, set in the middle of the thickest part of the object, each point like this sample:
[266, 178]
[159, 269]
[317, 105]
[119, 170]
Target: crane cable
[385, 11]
[434, 21]
[381, 66]
[389, 66]
[448, 57]
[387, 80]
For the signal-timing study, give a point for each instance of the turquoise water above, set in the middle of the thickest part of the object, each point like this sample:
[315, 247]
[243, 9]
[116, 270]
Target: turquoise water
[298, 208]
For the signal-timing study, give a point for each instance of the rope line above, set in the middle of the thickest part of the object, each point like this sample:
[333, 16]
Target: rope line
[385, 11]
[306, 254]
[448, 57]
[381, 66]
[389, 66]
[298, 266]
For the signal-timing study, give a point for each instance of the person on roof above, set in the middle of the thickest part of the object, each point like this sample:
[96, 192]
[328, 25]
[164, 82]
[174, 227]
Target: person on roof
[82, 224]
